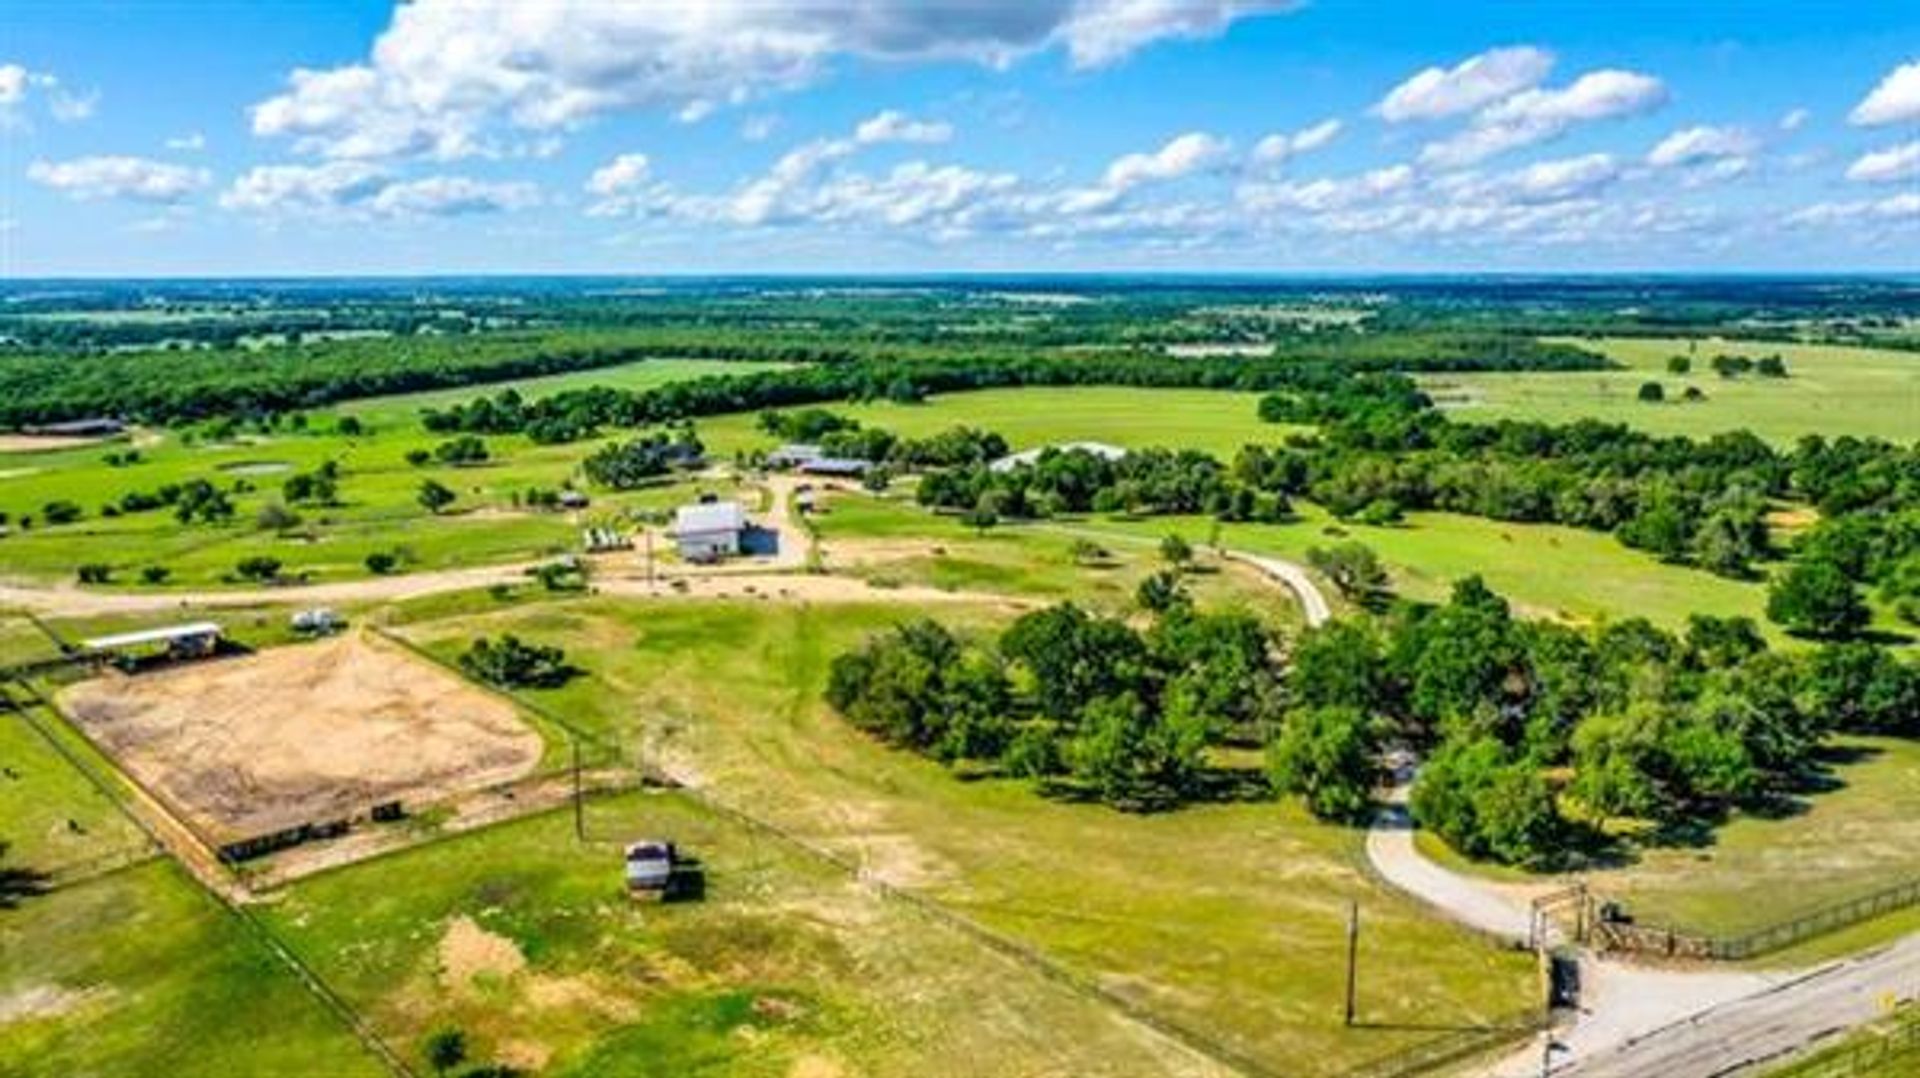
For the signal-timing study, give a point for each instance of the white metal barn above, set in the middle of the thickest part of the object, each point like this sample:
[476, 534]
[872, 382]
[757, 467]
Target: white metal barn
[709, 531]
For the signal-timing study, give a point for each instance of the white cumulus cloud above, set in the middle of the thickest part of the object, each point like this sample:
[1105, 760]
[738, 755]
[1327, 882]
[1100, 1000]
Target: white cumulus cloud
[359, 189]
[446, 75]
[1895, 164]
[1279, 147]
[1542, 114]
[1695, 145]
[1895, 100]
[117, 176]
[1182, 155]
[1436, 92]
[621, 174]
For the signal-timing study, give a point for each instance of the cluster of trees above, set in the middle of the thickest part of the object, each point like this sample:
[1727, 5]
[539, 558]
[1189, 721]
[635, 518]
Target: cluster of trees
[513, 663]
[1087, 705]
[843, 436]
[1536, 733]
[319, 487]
[632, 463]
[465, 449]
[1701, 502]
[1733, 366]
[1079, 481]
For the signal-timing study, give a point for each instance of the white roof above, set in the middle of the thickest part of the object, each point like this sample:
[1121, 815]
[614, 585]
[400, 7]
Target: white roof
[709, 517]
[153, 636]
[1028, 456]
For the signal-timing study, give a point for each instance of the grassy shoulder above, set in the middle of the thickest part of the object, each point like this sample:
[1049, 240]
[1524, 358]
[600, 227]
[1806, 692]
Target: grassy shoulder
[1227, 917]
[1831, 389]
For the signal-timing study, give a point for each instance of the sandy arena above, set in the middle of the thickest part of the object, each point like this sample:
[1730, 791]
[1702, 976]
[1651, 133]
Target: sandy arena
[249, 746]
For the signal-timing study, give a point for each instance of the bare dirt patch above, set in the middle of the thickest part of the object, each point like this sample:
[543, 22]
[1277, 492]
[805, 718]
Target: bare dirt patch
[469, 952]
[39, 443]
[251, 746]
[42, 1001]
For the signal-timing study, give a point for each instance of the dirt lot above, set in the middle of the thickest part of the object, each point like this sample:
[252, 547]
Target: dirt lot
[253, 745]
[40, 443]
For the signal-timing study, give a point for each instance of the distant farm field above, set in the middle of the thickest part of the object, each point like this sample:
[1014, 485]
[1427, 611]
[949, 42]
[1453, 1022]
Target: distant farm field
[1831, 390]
[1217, 421]
[642, 375]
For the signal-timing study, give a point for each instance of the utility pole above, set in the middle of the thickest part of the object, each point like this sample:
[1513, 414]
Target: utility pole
[648, 532]
[1353, 956]
[579, 808]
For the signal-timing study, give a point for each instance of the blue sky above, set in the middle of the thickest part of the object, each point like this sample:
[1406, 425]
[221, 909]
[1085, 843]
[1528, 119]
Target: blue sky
[177, 138]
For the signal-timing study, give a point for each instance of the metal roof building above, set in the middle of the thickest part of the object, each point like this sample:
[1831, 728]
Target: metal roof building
[709, 530]
[1028, 456]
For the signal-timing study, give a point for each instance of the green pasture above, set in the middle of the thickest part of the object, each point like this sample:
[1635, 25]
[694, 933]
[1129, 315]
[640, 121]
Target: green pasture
[1850, 839]
[1216, 421]
[785, 965]
[21, 641]
[641, 375]
[1228, 918]
[51, 817]
[1544, 570]
[891, 540]
[91, 975]
[1831, 390]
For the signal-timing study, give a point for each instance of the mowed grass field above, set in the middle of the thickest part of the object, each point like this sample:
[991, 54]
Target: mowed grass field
[1831, 390]
[522, 937]
[51, 817]
[890, 540]
[1227, 918]
[1216, 421]
[140, 973]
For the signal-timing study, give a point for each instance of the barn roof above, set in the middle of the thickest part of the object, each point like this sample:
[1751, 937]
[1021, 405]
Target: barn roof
[162, 635]
[709, 517]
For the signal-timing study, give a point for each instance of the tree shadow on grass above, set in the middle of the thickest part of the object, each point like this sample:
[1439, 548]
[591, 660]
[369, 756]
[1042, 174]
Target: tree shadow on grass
[1211, 786]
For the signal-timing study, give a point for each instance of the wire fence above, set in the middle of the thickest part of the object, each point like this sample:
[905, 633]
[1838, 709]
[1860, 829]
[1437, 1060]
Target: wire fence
[87, 869]
[1460, 1045]
[1668, 941]
[122, 800]
[1889, 1052]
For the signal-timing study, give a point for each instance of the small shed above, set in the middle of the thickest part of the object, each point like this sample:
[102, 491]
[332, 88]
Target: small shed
[189, 641]
[709, 531]
[649, 867]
